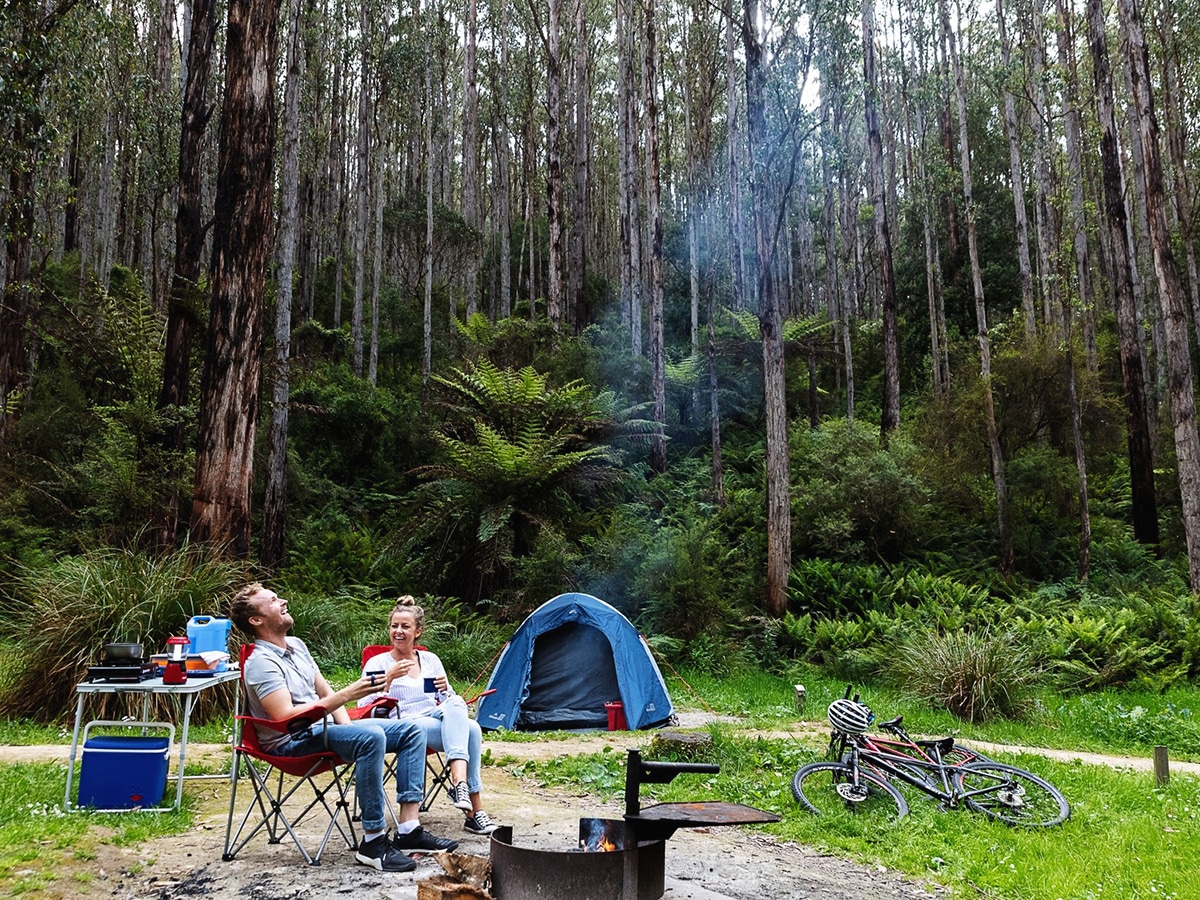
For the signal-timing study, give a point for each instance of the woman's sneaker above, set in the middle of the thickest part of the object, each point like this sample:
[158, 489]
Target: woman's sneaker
[460, 796]
[378, 853]
[480, 823]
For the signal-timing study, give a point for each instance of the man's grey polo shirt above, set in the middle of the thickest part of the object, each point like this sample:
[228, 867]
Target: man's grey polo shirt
[270, 668]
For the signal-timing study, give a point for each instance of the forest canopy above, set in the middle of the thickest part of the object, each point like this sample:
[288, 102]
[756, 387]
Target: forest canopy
[782, 326]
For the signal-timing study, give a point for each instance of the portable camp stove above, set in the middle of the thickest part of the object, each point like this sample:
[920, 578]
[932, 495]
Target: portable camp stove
[121, 671]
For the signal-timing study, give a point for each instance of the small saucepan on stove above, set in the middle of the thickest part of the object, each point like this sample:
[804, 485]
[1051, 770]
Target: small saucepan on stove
[123, 653]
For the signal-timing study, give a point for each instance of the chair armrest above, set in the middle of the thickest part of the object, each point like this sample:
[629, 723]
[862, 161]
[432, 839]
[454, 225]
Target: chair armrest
[295, 725]
[379, 708]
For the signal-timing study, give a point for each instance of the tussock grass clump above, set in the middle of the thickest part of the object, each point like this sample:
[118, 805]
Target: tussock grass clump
[976, 675]
[58, 618]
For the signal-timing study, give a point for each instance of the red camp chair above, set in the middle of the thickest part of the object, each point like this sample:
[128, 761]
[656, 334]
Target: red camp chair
[437, 769]
[326, 774]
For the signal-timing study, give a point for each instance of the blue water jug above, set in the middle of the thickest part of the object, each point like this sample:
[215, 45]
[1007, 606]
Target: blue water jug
[208, 633]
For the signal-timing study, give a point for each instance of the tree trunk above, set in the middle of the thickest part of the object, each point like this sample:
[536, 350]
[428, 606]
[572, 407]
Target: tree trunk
[554, 210]
[380, 189]
[733, 119]
[427, 314]
[1170, 288]
[1176, 118]
[577, 274]
[1047, 232]
[241, 256]
[470, 154]
[503, 187]
[184, 306]
[1024, 269]
[630, 129]
[1137, 418]
[890, 407]
[658, 441]
[362, 191]
[271, 554]
[1072, 132]
[985, 353]
[779, 527]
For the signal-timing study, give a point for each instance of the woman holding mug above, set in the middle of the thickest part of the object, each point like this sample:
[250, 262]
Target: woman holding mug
[416, 680]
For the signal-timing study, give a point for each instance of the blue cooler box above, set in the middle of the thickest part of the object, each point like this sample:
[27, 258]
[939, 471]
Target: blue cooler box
[120, 772]
[208, 633]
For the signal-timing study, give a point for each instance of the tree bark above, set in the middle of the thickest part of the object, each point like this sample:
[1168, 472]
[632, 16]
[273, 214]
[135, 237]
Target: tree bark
[554, 177]
[733, 118]
[577, 271]
[1170, 288]
[658, 441]
[470, 154]
[1137, 419]
[890, 407]
[271, 552]
[1073, 134]
[1024, 269]
[985, 352]
[503, 187]
[241, 256]
[362, 192]
[779, 528]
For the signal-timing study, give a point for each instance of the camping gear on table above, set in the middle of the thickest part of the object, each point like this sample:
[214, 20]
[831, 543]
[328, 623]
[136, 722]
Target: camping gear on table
[122, 662]
[572, 657]
[175, 670]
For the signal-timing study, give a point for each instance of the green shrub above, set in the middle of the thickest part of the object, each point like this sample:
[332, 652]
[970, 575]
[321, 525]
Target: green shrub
[852, 498]
[976, 675]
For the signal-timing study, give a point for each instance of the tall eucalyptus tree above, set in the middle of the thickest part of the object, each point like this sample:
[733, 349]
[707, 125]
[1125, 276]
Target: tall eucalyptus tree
[1144, 505]
[1000, 484]
[242, 230]
[890, 406]
[658, 445]
[271, 544]
[1170, 287]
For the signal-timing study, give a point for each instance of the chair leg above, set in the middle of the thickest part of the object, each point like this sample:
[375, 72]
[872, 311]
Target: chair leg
[270, 803]
[437, 777]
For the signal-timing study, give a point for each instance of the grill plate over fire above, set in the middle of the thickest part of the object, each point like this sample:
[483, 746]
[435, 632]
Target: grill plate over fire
[617, 859]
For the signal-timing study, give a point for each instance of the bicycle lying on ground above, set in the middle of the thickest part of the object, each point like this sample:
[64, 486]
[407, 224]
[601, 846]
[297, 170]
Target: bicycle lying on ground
[862, 772]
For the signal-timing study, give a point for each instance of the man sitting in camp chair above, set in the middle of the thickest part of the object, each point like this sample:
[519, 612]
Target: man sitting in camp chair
[282, 680]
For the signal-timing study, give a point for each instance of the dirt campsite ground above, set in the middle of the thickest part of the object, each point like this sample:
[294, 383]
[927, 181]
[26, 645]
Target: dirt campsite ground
[710, 864]
[701, 864]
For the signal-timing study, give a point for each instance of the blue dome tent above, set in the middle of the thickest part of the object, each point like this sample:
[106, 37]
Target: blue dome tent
[570, 656]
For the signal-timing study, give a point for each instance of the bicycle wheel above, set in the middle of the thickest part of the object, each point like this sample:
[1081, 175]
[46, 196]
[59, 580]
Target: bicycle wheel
[827, 789]
[1011, 795]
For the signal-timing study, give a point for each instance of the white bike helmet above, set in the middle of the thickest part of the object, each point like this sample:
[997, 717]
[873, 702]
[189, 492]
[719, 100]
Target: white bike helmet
[849, 717]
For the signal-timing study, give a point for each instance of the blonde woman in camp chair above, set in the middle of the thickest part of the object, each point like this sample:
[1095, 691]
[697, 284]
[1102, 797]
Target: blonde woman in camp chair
[442, 715]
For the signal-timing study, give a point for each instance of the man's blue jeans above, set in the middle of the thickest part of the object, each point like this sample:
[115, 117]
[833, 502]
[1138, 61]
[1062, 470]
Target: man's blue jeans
[366, 744]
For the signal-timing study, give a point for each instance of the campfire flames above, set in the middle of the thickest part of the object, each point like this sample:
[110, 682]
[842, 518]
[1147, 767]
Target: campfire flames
[601, 835]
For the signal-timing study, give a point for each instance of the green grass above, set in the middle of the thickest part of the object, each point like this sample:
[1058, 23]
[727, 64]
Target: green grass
[1119, 722]
[1125, 839]
[38, 840]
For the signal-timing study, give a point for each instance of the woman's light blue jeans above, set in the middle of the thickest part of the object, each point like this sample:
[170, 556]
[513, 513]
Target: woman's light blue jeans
[450, 729]
[366, 743]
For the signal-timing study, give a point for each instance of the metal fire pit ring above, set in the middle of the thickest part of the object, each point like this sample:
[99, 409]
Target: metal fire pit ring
[626, 873]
